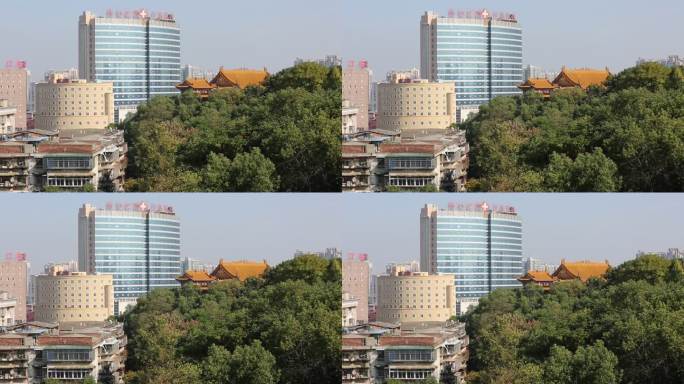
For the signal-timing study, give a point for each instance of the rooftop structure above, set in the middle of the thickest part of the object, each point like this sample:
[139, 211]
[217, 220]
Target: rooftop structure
[200, 279]
[582, 78]
[540, 278]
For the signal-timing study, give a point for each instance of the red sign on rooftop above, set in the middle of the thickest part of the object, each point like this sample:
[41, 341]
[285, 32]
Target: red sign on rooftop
[140, 206]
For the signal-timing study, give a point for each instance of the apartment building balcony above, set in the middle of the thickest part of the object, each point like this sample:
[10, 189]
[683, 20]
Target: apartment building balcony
[13, 375]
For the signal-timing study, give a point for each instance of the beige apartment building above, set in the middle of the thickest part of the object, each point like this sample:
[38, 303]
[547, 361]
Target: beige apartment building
[13, 280]
[73, 297]
[405, 104]
[8, 115]
[356, 89]
[14, 88]
[7, 306]
[416, 297]
[356, 282]
[74, 105]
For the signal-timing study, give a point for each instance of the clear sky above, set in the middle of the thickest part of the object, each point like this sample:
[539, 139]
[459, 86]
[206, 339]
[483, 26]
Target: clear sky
[254, 34]
[213, 226]
[579, 33]
[555, 226]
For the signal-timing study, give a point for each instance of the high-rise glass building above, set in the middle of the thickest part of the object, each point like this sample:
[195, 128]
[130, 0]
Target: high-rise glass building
[481, 52]
[137, 243]
[137, 51]
[480, 245]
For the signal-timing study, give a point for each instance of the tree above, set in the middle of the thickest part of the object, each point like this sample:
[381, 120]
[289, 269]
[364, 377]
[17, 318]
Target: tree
[250, 364]
[591, 365]
[589, 172]
[282, 136]
[89, 380]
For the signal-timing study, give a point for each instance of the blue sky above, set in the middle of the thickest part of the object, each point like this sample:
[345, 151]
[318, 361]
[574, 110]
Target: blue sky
[555, 226]
[579, 33]
[255, 34]
[213, 226]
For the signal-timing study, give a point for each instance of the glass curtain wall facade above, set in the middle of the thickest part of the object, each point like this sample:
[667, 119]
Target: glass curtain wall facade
[140, 248]
[482, 249]
[139, 55]
[483, 56]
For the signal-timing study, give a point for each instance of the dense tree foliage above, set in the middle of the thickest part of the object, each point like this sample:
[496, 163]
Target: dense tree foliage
[626, 136]
[628, 328]
[284, 328]
[283, 136]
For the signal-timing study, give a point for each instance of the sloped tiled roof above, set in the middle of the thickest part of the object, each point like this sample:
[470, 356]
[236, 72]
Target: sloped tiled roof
[538, 84]
[583, 270]
[196, 84]
[196, 276]
[538, 276]
[583, 77]
[242, 270]
[243, 78]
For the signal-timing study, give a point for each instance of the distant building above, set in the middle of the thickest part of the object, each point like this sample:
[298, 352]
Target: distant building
[356, 89]
[13, 280]
[61, 74]
[8, 116]
[66, 266]
[397, 268]
[671, 61]
[671, 254]
[8, 305]
[73, 297]
[33, 352]
[356, 281]
[581, 270]
[479, 244]
[189, 264]
[350, 306]
[328, 253]
[137, 51]
[349, 118]
[415, 297]
[74, 105]
[192, 72]
[481, 52]
[14, 89]
[415, 104]
[402, 75]
[240, 270]
[329, 61]
[108, 236]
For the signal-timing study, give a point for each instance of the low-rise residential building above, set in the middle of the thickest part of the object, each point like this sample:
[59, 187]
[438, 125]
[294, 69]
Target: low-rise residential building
[34, 352]
[16, 164]
[7, 117]
[416, 297]
[349, 118]
[376, 354]
[7, 309]
[73, 297]
[430, 159]
[33, 160]
[350, 305]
